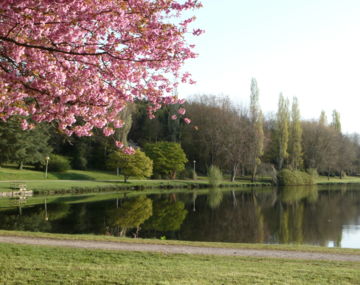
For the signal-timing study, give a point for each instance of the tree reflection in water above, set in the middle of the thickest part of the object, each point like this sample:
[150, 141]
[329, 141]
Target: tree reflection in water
[288, 215]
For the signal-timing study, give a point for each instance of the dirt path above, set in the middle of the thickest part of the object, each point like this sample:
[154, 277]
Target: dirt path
[179, 249]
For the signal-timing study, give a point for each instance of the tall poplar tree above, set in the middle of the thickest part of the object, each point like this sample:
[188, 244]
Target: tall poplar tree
[295, 142]
[282, 130]
[336, 124]
[323, 119]
[257, 132]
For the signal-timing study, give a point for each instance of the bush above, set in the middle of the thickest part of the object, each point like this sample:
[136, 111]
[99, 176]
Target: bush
[79, 163]
[58, 163]
[187, 173]
[313, 172]
[288, 177]
[215, 176]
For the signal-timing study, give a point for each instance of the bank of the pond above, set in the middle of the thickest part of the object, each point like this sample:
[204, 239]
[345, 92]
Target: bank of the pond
[253, 246]
[36, 264]
[77, 182]
[55, 187]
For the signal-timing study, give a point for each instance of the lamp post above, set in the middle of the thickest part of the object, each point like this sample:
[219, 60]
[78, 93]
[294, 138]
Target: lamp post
[46, 166]
[194, 165]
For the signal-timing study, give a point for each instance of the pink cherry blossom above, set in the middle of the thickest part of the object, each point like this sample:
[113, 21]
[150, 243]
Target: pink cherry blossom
[24, 124]
[182, 111]
[78, 63]
[119, 144]
[129, 150]
[108, 131]
[187, 120]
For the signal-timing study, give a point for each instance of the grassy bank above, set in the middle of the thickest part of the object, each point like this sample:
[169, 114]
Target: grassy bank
[89, 237]
[24, 264]
[323, 180]
[78, 181]
[94, 181]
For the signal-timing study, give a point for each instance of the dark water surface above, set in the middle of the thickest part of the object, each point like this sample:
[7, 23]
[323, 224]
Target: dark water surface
[296, 215]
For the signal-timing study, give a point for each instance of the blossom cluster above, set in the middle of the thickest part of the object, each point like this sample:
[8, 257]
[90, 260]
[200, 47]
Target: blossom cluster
[78, 63]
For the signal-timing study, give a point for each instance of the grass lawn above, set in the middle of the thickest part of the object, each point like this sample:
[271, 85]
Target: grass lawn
[25, 264]
[337, 180]
[78, 179]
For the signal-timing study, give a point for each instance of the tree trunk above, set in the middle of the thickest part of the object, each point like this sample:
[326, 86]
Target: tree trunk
[21, 165]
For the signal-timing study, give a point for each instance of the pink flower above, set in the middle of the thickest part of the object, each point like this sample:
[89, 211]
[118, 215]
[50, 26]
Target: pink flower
[24, 125]
[118, 124]
[129, 150]
[182, 111]
[108, 131]
[187, 120]
[198, 32]
[119, 144]
[93, 77]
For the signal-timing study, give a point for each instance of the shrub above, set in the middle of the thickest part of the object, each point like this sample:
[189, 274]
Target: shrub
[58, 163]
[288, 177]
[313, 172]
[187, 173]
[215, 176]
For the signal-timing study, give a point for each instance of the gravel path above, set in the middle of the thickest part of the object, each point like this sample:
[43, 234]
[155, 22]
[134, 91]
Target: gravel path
[180, 249]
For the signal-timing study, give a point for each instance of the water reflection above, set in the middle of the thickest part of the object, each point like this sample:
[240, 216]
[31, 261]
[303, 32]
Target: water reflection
[215, 196]
[290, 215]
[130, 215]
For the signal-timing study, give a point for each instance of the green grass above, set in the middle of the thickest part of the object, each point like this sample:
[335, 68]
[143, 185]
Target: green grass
[25, 264]
[11, 173]
[81, 181]
[78, 180]
[89, 237]
[337, 180]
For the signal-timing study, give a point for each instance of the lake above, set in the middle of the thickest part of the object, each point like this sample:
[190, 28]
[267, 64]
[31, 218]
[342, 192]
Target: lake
[325, 216]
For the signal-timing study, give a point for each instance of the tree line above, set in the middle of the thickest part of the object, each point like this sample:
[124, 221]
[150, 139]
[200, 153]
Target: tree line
[239, 140]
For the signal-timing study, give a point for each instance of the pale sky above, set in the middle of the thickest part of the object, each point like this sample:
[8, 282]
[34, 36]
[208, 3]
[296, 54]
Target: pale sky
[309, 49]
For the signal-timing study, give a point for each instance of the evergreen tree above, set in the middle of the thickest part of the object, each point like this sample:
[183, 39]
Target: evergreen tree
[23, 147]
[138, 164]
[168, 157]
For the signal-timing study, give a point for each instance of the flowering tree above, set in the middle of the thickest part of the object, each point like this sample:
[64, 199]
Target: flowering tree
[78, 63]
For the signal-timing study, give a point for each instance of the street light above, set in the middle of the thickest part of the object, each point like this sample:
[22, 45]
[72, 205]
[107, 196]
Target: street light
[194, 165]
[46, 166]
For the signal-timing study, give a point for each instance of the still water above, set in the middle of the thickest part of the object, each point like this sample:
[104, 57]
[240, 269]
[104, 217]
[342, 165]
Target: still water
[296, 215]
